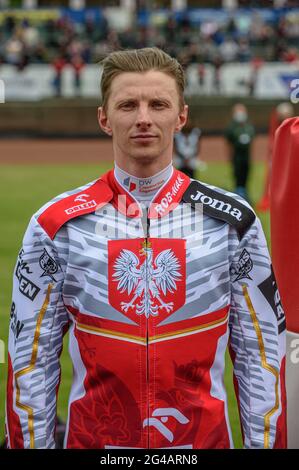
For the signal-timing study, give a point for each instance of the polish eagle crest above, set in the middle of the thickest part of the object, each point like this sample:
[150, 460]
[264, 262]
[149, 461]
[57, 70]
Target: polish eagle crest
[148, 279]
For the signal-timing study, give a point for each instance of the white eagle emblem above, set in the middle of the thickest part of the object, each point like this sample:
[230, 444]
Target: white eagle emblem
[147, 280]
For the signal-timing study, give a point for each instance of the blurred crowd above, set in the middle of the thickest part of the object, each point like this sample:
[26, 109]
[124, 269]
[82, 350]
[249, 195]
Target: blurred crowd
[242, 39]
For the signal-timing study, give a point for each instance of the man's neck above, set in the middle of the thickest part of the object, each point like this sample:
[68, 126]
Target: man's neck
[143, 189]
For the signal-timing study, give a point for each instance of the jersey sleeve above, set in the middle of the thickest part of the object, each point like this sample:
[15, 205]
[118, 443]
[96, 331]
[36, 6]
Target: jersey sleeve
[38, 321]
[257, 343]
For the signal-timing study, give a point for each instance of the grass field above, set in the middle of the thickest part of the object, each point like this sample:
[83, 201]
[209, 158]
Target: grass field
[23, 190]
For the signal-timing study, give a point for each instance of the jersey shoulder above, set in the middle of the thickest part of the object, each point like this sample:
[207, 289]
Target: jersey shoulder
[222, 205]
[71, 204]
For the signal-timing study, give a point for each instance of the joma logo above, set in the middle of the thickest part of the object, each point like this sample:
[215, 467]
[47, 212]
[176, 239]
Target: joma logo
[216, 204]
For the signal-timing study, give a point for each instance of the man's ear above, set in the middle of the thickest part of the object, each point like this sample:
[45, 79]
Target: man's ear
[182, 118]
[104, 121]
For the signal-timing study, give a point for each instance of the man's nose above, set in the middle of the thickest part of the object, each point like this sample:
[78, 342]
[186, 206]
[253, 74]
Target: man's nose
[143, 116]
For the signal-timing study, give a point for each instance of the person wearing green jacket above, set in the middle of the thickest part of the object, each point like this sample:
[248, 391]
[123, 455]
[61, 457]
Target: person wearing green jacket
[240, 134]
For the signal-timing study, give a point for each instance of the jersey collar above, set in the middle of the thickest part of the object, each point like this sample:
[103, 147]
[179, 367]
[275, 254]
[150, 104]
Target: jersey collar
[165, 201]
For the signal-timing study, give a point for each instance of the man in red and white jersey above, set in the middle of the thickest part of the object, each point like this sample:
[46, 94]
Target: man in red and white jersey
[154, 274]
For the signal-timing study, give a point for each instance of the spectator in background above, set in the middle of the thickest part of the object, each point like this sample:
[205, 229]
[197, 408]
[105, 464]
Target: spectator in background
[291, 55]
[216, 80]
[186, 150]
[14, 50]
[239, 135]
[235, 38]
[256, 64]
[229, 50]
[244, 53]
[58, 64]
[30, 36]
[78, 65]
[201, 74]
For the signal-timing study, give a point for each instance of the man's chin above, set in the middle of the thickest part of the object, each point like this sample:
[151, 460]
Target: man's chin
[145, 157]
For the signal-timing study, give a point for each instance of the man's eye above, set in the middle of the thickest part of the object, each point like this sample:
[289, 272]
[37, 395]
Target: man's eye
[126, 106]
[158, 105]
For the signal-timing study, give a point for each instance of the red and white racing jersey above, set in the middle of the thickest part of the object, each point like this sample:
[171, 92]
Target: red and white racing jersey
[150, 308]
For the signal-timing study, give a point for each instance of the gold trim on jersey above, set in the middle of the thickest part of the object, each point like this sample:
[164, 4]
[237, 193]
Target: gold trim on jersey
[265, 365]
[30, 368]
[152, 339]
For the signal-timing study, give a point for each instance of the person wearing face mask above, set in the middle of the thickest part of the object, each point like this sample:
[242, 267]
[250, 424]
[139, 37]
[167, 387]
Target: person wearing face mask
[240, 134]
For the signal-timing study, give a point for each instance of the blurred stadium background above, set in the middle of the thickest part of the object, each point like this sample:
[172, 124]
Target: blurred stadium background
[233, 51]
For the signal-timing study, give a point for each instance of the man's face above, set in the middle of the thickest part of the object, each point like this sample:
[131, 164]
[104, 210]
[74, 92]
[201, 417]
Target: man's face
[240, 113]
[142, 116]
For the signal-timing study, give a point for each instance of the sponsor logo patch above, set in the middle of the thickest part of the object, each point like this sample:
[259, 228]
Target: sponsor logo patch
[145, 182]
[220, 206]
[132, 186]
[48, 265]
[16, 325]
[129, 184]
[270, 291]
[148, 186]
[217, 204]
[143, 185]
[127, 181]
[23, 265]
[81, 198]
[81, 207]
[167, 200]
[161, 416]
[242, 268]
[26, 287]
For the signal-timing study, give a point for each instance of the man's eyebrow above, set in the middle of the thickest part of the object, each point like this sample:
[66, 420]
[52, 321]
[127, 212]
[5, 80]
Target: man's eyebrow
[125, 101]
[161, 99]
[153, 98]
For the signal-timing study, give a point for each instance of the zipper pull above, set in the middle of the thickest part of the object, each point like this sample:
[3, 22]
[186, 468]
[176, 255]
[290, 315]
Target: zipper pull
[148, 220]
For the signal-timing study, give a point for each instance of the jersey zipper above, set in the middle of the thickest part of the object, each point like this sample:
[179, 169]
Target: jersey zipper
[147, 339]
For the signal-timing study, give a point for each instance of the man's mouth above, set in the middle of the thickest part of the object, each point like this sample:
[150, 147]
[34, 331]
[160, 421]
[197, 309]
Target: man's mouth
[143, 137]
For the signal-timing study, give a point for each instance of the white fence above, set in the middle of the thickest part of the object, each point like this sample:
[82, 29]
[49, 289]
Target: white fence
[272, 80]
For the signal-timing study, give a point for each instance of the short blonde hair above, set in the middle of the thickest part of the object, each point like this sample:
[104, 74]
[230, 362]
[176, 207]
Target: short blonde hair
[140, 60]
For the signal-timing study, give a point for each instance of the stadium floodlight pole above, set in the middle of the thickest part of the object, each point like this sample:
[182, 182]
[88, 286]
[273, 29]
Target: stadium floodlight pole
[285, 255]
